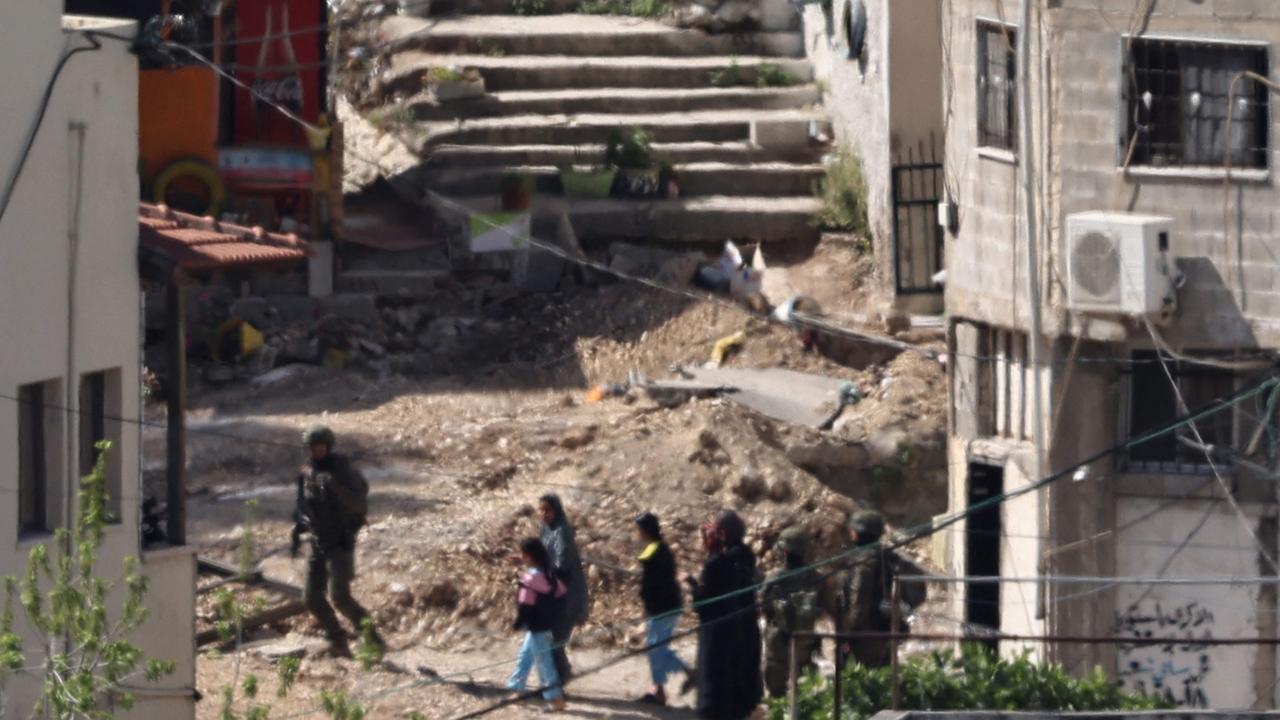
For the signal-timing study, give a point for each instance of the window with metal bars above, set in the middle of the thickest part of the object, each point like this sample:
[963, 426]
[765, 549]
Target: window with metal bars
[997, 86]
[1152, 404]
[1176, 98]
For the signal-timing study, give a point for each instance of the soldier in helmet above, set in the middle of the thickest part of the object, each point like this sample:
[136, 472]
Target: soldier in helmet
[333, 499]
[861, 594]
[791, 605]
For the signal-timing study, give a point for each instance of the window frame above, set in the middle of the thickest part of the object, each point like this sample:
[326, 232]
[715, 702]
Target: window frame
[1183, 154]
[988, 139]
[1149, 361]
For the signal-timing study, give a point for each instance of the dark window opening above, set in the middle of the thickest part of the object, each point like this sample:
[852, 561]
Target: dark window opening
[1176, 97]
[98, 392]
[33, 468]
[982, 551]
[1153, 404]
[997, 86]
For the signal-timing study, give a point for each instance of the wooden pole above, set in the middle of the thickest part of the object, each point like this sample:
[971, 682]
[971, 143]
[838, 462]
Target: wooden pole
[793, 697]
[894, 618]
[838, 683]
[176, 430]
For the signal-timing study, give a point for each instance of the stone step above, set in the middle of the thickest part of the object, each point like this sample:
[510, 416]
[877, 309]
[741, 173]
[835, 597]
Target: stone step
[479, 156]
[619, 100]
[701, 219]
[705, 126]
[443, 8]
[545, 72]
[695, 179]
[576, 35]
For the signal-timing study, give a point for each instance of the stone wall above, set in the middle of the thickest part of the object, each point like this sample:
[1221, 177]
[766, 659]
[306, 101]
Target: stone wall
[1232, 295]
[883, 102]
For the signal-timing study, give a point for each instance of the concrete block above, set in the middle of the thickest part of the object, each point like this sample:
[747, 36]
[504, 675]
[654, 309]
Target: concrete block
[294, 309]
[773, 134]
[359, 307]
[320, 270]
[254, 310]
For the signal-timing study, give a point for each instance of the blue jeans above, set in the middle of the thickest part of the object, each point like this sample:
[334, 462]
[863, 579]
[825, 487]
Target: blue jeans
[536, 649]
[663, 661]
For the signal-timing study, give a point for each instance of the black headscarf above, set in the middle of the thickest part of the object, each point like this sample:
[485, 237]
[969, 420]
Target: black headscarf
[556, 506]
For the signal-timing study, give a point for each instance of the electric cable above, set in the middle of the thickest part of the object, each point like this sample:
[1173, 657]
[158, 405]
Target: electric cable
[12, 185]
[911, 535]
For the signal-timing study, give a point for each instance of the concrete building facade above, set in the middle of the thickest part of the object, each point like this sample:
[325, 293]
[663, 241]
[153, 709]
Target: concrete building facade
[69, 286]
[885, 100]
[1130, 110]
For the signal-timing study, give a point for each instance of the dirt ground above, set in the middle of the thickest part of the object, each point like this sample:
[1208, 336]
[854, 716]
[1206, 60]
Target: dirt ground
[457, 460]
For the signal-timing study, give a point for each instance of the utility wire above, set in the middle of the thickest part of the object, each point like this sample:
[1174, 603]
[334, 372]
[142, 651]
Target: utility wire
[12, 185]
[920, 531]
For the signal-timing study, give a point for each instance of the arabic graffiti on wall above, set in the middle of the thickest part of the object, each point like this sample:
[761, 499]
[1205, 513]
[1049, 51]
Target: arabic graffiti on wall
[1177, 671]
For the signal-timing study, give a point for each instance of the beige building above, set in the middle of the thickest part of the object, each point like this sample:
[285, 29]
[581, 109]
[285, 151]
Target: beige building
[878, 61]
[1130, 123]
[70, 293]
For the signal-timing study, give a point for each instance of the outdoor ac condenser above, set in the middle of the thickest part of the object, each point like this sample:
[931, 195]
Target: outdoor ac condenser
[1119, 264]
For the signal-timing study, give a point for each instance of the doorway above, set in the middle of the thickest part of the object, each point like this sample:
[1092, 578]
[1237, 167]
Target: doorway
[982, 548]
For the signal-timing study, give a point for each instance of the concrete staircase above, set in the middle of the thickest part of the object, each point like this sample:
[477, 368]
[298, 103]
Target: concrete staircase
[558, 85]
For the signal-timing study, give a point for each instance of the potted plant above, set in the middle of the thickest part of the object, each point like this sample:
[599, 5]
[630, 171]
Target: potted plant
[631, 151]
[454, 83]
[516, 189]
[591, 182]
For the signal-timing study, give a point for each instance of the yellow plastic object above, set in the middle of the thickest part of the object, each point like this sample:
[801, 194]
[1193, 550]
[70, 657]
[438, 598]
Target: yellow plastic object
[726, 345]
[249, 338]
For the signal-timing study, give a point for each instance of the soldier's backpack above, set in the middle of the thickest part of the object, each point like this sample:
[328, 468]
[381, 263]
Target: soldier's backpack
[798, 612]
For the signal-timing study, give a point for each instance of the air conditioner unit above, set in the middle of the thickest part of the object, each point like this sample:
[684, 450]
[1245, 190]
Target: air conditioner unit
[1119, 264]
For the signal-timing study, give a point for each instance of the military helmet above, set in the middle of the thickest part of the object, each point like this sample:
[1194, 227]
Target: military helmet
[318, 435]
[794, 541]
[869, 525]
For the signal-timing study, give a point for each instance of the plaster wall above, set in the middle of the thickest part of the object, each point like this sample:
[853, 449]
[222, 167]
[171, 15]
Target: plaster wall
[80, 179]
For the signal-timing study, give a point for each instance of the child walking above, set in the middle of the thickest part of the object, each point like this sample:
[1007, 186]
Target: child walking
[660, 592]
[536, 606]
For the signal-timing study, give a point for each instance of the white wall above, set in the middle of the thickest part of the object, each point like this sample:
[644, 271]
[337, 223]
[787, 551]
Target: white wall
[1219, 545]
[99, 90]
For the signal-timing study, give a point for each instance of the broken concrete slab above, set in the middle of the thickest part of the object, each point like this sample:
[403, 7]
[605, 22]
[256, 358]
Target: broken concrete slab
[792, 397]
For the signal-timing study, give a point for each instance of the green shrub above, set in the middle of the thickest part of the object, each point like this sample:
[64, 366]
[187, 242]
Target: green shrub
[975, 679]
[772, 75]
[844, 196]
[629, 149]
[728, 76]
[632, 8]
[530, 7]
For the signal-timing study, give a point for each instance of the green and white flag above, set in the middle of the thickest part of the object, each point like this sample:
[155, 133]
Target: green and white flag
[500, 231]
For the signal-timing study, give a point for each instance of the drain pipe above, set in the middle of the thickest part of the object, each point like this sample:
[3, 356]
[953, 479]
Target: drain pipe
[1026, 171]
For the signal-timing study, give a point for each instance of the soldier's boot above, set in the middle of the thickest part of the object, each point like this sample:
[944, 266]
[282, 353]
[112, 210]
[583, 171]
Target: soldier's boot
[339, 647]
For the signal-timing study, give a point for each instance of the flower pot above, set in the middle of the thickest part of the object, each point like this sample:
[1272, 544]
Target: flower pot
[588, 183]
[447, 90]
[638, 182]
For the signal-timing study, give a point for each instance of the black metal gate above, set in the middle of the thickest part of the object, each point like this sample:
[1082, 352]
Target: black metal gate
[917, 237]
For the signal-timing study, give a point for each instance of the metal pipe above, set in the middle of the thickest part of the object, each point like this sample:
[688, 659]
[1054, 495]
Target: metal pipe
[1076, 639]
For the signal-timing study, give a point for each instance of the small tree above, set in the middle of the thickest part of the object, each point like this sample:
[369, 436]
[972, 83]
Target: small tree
[83, 656]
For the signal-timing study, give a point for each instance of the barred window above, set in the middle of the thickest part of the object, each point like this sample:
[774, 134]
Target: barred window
[1152, 404]
[1176, 96]
[997, 86]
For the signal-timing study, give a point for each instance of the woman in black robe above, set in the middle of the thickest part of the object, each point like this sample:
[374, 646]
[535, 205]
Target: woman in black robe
[729, 681]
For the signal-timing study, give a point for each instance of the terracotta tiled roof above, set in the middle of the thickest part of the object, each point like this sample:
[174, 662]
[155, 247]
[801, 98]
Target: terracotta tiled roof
[202, 244]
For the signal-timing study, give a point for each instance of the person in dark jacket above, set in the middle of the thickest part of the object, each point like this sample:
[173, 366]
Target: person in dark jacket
[660, 593]
[333, 500]
[557, 536]
[729, 683]
[536, 601]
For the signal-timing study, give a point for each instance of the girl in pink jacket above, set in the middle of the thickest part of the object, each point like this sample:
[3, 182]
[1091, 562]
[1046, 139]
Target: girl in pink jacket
[537, 603]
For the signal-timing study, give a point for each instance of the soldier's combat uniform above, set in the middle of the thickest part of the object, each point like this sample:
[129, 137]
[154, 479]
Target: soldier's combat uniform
[860, 595]
[332, 504]
[791, 605]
